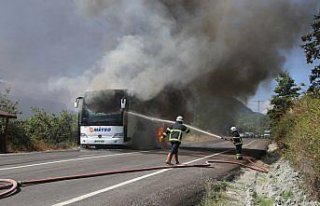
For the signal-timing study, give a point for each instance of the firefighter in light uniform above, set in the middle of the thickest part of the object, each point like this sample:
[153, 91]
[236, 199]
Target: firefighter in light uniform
[237, 141]
[174, 132]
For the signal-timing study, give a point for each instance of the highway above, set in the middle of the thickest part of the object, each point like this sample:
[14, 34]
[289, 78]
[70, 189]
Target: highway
[160, 187]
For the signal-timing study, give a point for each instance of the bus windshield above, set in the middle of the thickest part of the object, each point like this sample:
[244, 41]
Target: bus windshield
[102, 108]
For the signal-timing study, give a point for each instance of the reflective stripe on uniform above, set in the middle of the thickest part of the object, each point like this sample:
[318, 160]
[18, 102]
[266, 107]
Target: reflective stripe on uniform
[237, 141]
[179, 135]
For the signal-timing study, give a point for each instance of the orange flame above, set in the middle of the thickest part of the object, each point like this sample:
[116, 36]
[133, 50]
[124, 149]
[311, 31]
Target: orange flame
[160, 133]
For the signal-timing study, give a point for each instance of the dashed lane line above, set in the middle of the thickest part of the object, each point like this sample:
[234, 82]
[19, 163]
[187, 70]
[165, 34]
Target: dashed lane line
[69, 160]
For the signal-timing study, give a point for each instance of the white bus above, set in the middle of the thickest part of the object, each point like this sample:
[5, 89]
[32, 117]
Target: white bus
[103, 120]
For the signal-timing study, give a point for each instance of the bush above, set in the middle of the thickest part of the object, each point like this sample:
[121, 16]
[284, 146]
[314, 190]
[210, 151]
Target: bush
[298, 131]
[17, 138]
[41, 131]
[49, 130]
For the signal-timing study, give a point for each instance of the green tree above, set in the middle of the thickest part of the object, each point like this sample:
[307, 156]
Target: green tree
[286, 92]
[6, 104]
[17, 140]
[50, 130]
[40, 131]
[312, 52]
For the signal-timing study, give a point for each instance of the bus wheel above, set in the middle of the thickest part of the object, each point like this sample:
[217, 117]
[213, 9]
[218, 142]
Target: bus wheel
[84, 146]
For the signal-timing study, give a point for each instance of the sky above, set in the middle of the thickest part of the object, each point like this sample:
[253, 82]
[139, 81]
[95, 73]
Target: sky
[45, 45]
[298, 69]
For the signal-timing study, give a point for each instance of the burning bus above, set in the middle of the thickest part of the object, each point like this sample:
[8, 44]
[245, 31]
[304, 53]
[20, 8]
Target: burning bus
[104, 119]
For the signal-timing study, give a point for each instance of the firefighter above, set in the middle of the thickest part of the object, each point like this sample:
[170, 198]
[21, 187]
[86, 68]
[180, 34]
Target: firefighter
[174, 132]
[237, 141]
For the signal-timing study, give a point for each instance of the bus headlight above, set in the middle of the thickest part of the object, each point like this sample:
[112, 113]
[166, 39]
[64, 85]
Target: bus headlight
[118, 135]
[84, 135]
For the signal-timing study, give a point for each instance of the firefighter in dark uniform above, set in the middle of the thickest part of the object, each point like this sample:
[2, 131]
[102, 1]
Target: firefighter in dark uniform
[237, 141]
[174, 132]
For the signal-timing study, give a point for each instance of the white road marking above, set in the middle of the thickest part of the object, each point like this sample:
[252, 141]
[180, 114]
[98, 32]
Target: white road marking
[91, 194]
[39, 152]
[69, 160]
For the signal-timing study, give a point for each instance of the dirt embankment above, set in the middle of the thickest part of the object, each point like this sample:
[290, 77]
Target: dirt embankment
[282, 185]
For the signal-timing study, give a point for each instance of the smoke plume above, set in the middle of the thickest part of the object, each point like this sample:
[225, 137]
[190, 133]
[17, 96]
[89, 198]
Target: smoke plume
[197, 53]
[214, 47]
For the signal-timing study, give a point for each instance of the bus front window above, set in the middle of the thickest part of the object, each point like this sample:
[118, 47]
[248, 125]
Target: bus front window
[102, 108]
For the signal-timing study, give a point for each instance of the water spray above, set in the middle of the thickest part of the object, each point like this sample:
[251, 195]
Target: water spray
[155, 119]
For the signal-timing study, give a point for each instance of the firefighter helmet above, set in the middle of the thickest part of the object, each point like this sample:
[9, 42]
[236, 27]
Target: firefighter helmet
[233, 129]
[179, 119]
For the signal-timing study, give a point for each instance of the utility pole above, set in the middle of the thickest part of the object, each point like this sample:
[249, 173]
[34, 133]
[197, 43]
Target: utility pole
[259, 119]
[259, 102]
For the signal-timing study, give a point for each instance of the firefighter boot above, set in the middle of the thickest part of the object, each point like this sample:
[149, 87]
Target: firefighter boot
[239, 157]
[176, 159]
[169, 158]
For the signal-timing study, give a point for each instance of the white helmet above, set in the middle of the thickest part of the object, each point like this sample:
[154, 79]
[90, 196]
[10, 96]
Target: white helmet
[233, 129]
[179, 119]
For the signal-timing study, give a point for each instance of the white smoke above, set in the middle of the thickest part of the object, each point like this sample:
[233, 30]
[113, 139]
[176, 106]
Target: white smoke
[176, 43]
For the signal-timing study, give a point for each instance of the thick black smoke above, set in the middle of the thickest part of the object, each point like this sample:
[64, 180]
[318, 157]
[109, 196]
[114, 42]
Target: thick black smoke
[181, 53]
[253, 35]
[223, 47]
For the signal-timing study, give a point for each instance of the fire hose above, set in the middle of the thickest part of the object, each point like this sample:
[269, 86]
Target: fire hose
[12, 186]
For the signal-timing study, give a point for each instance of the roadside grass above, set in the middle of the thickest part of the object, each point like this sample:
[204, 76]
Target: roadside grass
[263, 201]
[262, 178]
[231, 186]
[215, 194]
[287, 194]
[41, 145]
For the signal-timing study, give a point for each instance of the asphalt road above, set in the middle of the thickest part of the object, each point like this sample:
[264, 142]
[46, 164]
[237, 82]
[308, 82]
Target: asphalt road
[161, 187]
